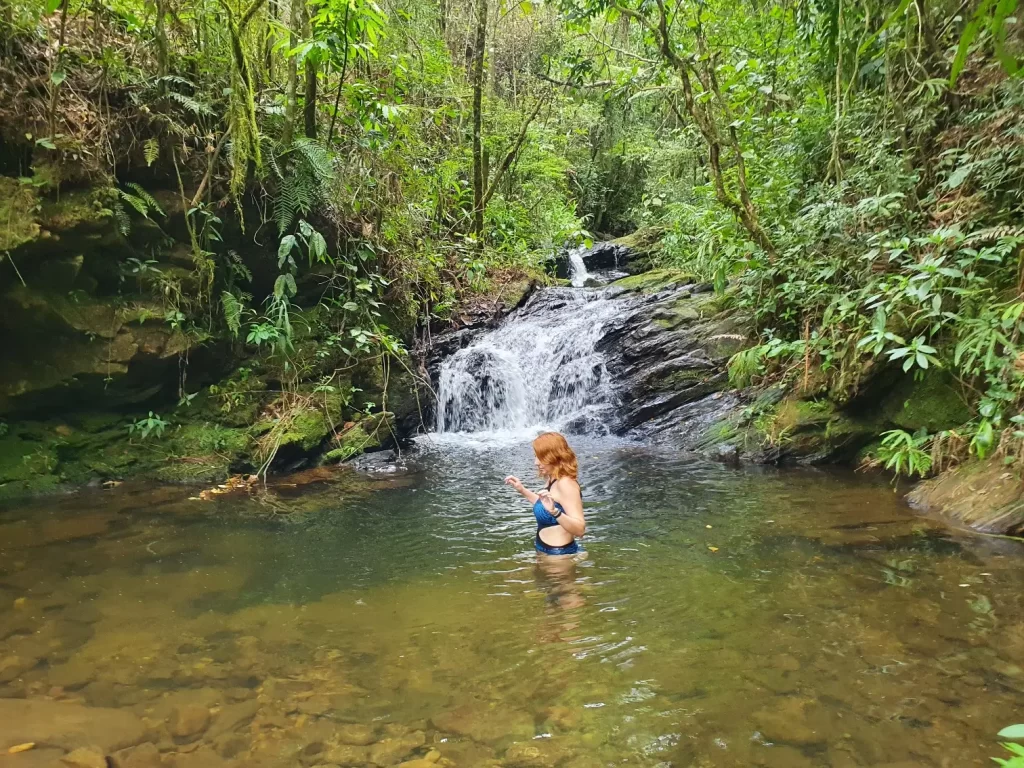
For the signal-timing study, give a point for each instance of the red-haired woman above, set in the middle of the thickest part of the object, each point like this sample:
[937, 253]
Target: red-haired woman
[559, 507]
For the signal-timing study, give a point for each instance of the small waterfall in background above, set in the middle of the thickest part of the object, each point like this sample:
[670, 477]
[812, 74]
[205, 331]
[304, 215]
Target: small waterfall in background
[578, 273]
[538, 369]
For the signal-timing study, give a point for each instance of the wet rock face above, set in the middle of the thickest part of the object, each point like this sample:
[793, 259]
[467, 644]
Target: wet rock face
[985, 496]
[669, 356]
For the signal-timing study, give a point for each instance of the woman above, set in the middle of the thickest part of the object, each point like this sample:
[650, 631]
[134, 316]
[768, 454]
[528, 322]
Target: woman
[559, 507]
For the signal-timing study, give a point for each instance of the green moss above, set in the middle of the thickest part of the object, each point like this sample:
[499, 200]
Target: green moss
[18, 205]
[655, 280]
[932, 403]
[90, 209]
[360, 437]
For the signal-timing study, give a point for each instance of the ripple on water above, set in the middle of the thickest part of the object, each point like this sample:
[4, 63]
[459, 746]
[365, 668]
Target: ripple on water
[843, 632]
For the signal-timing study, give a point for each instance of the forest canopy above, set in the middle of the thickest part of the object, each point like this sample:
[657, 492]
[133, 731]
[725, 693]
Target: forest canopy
[848, 174]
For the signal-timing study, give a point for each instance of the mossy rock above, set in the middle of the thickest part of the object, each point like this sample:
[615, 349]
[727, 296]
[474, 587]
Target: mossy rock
[359, 437]
[932, 403]
[88, 209]
[18, 207]
[654, 280]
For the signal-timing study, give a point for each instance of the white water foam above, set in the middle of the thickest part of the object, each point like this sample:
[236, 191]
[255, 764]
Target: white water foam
[539, 369]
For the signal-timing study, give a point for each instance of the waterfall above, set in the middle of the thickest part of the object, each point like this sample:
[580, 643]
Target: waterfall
[578, 274]
[539, 369]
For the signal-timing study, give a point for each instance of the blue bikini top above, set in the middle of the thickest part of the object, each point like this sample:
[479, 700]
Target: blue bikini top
[544, 518]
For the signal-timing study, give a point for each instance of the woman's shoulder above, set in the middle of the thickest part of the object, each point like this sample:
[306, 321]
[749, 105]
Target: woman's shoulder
[567, 484]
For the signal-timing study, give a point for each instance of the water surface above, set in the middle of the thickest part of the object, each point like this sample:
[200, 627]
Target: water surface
[720, 618]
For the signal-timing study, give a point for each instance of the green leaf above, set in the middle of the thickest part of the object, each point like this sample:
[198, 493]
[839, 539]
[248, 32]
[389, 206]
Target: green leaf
[527, 7]
[900, 10]
[58, 76]
[45, 143]
[287, 244]
[1012, 732]
[969, 33]
[52, 5]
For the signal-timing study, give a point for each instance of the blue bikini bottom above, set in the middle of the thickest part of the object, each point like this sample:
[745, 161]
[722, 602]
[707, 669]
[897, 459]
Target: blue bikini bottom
[546, 549]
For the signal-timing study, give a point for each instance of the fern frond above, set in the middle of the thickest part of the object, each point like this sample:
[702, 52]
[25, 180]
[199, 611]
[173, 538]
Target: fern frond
[233, 308]
[192, 105]
[148, 198]
[177, 80]
[318, 158]
[151, 150]
[124, 223]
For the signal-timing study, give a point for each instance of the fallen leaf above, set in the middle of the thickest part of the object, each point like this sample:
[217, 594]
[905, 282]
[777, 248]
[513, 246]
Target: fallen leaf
[21, 748]
[707, 526]
[713, 549]
[20, 602]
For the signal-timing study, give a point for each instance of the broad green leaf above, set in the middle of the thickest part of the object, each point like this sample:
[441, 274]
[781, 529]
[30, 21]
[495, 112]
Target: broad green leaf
[287, 244]
[969, 33]
[1012, 732]
[58, 76]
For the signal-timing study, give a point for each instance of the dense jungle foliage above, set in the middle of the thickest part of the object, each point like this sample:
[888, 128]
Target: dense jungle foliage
[850, 173]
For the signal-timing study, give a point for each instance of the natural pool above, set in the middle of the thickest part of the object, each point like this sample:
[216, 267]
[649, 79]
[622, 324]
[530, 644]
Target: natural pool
[720, 618]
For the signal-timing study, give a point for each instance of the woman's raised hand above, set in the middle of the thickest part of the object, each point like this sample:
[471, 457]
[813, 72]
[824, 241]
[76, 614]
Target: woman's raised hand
[515, 482]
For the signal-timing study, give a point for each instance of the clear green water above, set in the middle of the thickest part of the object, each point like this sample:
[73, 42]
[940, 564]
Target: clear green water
[831, 627]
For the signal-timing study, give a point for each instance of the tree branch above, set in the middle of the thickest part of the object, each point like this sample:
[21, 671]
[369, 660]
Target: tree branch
[512, 152]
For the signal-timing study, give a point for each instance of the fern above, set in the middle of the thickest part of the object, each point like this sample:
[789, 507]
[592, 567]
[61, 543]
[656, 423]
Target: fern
[233, 307]
[149, 200]
[318, 159]
[151, 150]
[124, 223]
[176, 80]
[305, 185]
[238, 268]
[192, 105]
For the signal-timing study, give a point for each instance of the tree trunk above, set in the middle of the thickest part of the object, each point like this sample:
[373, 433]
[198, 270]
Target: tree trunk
[479, 180]
[291, 94]
[309, 109]
[162, 47]
[310, 68]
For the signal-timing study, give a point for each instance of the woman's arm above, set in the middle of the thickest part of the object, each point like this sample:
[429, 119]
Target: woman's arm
[516, 483]
[567, 493]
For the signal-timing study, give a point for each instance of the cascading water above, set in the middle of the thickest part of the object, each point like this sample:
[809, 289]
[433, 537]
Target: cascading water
[539, 368]
[578, 274]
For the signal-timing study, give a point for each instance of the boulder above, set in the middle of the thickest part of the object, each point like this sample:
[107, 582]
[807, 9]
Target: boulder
[68, 725]
[985, 496]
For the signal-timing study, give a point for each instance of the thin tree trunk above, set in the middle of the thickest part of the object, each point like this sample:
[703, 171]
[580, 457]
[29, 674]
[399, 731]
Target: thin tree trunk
[291, 93]
[310, 68]
[341, 79]
[162, 47]
[479, 179]
[309, 109]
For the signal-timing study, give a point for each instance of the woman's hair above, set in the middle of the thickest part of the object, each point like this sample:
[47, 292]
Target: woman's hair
[554, 452]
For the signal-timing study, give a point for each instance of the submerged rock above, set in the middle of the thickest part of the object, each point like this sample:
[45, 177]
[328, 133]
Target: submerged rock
[189, 722]
[85, 757]
[68, 725]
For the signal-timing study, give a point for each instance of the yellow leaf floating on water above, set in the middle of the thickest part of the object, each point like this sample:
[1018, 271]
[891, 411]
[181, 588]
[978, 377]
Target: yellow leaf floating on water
[713, 549]
[20, 602]
[21, 748]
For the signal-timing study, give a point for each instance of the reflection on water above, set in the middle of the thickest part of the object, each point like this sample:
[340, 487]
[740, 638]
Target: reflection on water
[719, 618]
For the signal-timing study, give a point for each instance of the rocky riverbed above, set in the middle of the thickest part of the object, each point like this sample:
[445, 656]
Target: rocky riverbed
[787, 620]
